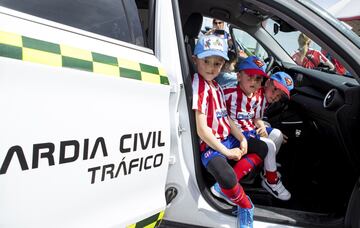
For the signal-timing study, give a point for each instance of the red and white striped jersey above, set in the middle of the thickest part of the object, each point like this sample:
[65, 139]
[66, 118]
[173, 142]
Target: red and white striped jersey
[263, 104]
[312, 59]
[209, 100]
[243, 109]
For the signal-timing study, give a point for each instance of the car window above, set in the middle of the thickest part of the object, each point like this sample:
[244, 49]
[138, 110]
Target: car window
[112, 18]
[248, 45]
[244, 43]
[304, 51]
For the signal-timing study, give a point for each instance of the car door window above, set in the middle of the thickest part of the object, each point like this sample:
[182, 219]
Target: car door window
[106, 17]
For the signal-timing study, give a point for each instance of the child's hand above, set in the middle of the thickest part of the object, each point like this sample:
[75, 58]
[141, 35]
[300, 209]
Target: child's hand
[262, 132]
[285, 139]
[234, 154]
[243, 147]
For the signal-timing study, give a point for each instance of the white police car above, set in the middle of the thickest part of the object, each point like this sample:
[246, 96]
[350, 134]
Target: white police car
[97, 128]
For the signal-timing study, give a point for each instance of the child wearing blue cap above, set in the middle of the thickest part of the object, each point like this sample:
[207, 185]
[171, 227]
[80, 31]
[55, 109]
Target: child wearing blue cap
[246, 103]
[277, 86]
[224, 149]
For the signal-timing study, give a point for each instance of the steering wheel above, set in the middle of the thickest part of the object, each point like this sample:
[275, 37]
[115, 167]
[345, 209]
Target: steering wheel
[270, 60]
[322, 67]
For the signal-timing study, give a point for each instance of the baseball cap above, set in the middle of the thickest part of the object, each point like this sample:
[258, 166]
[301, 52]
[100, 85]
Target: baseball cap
[283, 81]
[252, 65]
[210, 45]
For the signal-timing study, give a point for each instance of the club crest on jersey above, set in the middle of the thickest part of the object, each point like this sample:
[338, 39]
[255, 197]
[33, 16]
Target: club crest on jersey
[244, 115]
[207, 154]
[221, 113]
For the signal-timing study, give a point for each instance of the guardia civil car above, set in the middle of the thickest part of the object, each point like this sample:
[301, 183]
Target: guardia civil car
[97, 128]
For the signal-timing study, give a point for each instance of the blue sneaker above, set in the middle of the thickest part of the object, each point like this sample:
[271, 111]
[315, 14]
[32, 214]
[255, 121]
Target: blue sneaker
[245, 216]
[216, 191]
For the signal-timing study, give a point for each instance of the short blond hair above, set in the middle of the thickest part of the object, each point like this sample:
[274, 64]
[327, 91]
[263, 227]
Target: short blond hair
[303, 40]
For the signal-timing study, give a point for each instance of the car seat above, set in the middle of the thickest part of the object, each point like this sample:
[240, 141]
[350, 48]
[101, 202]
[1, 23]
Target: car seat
[191, 31]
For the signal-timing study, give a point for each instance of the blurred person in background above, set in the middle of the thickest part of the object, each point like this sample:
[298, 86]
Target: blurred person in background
[308, 57]
[218, 29]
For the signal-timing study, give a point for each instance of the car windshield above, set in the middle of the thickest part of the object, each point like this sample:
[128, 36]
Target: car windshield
[288, 40]
[304, 51]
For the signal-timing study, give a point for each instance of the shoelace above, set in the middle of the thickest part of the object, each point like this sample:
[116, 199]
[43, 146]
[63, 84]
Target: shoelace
[236, 212]
[279, 187]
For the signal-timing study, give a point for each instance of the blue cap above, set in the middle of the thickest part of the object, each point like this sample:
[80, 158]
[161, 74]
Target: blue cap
[283, 81]
[252, 65]
[210, 45]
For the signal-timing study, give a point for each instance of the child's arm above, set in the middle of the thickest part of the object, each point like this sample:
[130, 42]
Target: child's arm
[260, 127]
[205, 133]
[236, 132]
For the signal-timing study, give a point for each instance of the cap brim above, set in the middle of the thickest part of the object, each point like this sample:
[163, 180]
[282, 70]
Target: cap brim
[282, 88]
[252, 72]
[212, 53]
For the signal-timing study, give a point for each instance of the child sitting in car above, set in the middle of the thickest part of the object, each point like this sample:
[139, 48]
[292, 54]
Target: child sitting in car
[245, 104]
[276, 87]
[225, 156]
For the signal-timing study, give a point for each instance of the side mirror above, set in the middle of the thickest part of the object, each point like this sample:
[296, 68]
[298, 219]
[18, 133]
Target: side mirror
[282, 26]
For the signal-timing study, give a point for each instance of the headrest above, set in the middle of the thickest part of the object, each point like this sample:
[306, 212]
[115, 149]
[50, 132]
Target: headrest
[193, 25]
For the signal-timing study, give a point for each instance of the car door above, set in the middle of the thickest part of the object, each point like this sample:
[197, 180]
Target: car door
[318, 164]
[85, 128]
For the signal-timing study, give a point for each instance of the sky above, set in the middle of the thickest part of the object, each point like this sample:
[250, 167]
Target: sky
[325, 3]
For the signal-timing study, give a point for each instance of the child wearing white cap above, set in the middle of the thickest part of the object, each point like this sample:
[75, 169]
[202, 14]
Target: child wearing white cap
[224, 149]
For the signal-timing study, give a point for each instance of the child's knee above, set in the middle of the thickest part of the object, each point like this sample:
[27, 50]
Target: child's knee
[227, 179]
[262, 149]
[271, 147]
[276, 135]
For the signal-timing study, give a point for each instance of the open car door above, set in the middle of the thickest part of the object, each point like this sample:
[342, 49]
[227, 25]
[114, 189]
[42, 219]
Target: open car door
[84, 123]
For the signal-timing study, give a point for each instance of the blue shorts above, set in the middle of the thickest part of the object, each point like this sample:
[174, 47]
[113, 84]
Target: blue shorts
[209, 153]
[253, 133]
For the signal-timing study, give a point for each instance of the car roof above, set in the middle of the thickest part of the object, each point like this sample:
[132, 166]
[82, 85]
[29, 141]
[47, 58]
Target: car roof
[244, 13]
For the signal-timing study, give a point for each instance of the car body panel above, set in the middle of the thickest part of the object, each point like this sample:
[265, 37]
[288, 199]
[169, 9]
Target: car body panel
[69, 150]
[77, 138]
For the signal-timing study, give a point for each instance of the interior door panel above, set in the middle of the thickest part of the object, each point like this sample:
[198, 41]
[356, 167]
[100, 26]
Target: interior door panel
[322, 127]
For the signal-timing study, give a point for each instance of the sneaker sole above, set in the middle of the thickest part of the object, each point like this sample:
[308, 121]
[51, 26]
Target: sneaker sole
[272, 193]
[218, 195]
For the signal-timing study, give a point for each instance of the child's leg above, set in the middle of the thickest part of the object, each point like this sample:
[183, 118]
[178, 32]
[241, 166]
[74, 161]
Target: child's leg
[276, 136]
[257, 151]
[272, 182]
[270, 161]
[225, 176]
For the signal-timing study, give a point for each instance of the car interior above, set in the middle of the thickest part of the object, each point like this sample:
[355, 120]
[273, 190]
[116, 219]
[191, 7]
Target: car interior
[319, 164]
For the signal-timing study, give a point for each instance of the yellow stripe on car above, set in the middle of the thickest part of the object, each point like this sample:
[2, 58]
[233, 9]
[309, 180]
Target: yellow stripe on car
[10, 39]
[43, 52]
[150, 222]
